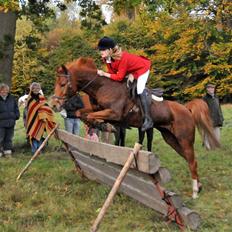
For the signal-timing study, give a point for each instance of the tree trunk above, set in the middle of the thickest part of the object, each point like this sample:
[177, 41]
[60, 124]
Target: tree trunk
[7, 36]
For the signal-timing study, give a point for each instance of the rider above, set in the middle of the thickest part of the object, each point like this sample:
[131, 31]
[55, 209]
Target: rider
[120, 64]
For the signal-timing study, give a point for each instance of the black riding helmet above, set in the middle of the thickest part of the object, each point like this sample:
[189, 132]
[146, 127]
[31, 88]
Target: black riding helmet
[106, 43]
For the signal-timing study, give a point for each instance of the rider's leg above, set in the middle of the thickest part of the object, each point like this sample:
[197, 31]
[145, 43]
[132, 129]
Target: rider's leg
[145, 101]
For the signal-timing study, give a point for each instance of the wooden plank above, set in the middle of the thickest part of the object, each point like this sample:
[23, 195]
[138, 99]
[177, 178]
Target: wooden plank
[139, 187]
[163, 175]
[136, 184]
[147, 161]
[175, 198]
[190, 218]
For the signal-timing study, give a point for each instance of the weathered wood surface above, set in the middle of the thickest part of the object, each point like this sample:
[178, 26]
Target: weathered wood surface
[147, 161]
[116, 187]
[190, 218]
[136, 185]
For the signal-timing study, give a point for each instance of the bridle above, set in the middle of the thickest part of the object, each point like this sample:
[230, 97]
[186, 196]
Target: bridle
[68, 76]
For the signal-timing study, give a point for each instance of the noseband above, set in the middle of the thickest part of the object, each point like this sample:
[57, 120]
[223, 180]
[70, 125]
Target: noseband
[68, 77]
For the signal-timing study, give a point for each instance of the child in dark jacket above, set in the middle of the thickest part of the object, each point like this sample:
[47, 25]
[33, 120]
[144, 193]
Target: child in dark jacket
[71, 114]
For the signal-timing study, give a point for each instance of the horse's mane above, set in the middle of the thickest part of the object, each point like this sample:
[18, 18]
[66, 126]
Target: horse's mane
[80, 67]
[82, 63]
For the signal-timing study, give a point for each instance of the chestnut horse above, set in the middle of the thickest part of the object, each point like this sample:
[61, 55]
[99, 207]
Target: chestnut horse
[175, 122]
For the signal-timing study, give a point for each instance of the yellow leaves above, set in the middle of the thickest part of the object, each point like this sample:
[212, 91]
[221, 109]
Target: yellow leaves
[221, 49]
[6, 6]
[221, 68]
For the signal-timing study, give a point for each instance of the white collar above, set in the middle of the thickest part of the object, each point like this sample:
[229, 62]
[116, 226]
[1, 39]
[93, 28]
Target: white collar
[108, 60]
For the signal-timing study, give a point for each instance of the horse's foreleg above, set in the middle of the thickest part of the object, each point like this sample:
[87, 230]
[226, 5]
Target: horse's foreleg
[96, 120]
[106, 114]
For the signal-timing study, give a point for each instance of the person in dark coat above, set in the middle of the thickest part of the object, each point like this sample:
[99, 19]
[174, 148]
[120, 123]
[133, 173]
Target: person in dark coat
[215, 112]
[149, 133]
[120, 136]
[9, 113]
[71, 114]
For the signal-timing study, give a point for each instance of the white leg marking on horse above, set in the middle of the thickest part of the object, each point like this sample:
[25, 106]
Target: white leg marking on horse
[195, 189]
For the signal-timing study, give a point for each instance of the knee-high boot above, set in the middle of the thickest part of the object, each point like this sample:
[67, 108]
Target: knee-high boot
[145, 102]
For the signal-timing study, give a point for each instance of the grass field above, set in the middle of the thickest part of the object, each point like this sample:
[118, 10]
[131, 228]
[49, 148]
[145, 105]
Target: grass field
[51, 196]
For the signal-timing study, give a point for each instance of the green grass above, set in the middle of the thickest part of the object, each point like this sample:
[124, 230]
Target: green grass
[51, 196]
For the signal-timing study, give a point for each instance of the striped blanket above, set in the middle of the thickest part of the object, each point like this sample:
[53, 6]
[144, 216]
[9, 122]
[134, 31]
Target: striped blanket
[40, 118]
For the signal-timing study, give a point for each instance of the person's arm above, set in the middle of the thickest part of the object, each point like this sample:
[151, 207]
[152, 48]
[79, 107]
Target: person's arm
[17, 113]
[120, 73]
[103, 74]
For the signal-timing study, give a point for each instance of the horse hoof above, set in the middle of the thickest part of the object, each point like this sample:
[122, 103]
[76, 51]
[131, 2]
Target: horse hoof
[200, 187]
[195, 195]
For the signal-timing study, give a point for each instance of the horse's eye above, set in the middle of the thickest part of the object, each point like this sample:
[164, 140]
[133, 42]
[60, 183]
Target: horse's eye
[63, 84]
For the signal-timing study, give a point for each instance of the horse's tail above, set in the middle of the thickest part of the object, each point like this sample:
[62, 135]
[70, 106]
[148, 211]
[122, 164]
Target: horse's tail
[202, 119]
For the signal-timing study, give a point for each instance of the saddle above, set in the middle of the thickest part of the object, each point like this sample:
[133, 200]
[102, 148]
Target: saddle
[154, 94]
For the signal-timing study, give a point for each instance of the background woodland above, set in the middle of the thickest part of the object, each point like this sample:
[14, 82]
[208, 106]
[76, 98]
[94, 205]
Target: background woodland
[188, 41]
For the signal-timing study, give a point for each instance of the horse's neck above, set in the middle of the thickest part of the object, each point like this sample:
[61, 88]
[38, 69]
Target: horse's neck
[89, 82]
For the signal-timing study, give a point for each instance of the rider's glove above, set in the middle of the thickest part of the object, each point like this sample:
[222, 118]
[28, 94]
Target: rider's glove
[130, 80]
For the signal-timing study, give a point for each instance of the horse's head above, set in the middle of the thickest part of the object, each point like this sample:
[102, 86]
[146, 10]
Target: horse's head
[62, 84]
[76, 75]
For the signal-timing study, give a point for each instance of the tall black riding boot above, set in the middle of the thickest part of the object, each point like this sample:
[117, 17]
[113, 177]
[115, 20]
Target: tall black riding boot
[148, 122]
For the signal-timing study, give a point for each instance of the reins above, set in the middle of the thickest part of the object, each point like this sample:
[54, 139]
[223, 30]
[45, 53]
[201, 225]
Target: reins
[68, 76]
[85, 86]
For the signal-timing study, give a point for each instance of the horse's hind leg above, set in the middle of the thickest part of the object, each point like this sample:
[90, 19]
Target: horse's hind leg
[188, 153]
[184, 147]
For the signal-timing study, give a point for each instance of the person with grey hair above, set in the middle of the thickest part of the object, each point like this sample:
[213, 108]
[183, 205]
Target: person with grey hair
[215, 112]
[9, 113]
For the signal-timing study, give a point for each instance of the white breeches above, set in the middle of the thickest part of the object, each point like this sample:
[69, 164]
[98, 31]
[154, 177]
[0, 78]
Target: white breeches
[141, 82]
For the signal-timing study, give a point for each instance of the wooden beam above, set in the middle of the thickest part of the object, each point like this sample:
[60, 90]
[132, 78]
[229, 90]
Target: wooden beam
[139, 187]
[103, 162]
[147, 161]
[190, 218]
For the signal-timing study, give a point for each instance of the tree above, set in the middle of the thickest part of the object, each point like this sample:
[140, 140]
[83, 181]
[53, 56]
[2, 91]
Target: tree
[91, 16]
[37, 11]
[7, 34]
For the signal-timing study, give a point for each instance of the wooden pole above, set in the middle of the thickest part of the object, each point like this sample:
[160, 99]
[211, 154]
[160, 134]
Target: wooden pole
[116, 186]
[37, 152]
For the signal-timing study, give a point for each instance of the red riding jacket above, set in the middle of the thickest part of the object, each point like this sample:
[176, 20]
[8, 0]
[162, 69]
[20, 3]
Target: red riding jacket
[129, 63]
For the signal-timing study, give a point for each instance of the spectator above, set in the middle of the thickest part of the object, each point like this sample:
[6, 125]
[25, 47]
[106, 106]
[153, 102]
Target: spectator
[91, 134]
[215, 112]
[39, 118]
[9, 113]
[120, 136]
[149, 133]
[71, 114]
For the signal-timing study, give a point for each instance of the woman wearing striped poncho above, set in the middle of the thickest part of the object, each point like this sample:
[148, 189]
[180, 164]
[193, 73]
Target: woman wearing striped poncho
[40, 117]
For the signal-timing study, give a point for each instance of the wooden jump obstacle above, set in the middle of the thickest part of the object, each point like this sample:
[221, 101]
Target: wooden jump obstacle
[103, 162]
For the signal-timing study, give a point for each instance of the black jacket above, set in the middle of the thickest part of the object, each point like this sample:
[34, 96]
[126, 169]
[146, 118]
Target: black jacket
[215, 109]
[72, 105]
[9, 111]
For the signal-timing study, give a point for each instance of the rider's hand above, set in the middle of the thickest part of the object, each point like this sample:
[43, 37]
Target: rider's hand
[100, 73]
[130, 80]
[103, 74]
